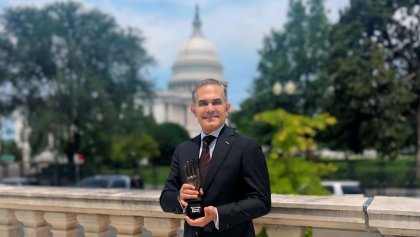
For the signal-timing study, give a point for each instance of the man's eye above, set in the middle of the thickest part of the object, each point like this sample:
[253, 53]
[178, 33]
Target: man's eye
[217, 102]
[202, 103]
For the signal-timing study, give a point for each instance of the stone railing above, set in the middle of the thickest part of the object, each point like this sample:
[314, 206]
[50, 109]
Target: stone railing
[45, 211]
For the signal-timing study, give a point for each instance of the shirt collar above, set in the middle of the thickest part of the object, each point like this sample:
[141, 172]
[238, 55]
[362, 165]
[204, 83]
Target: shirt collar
[214, 133]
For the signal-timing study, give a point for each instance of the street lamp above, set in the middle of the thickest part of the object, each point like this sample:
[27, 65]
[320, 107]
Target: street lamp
[277, 88]
[289, 88]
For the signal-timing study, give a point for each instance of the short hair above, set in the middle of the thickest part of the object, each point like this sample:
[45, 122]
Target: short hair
[210, 81]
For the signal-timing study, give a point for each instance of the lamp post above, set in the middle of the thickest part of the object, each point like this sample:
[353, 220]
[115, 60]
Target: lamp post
[277, 88]
[289, 88]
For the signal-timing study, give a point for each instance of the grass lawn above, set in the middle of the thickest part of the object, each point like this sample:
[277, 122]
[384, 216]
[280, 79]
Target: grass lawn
[149, 175]
[372, 173]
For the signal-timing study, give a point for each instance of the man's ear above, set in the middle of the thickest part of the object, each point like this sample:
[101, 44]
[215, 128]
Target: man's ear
[192, 108]
[228, 107]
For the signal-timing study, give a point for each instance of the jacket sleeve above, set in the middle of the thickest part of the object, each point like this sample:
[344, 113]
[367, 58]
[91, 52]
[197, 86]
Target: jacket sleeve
[169, 196]
[257, 199]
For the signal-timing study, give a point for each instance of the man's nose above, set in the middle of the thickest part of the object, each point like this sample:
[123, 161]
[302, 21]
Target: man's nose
[210, 107]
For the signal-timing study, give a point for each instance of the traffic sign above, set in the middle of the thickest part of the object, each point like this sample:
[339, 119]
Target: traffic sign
[8, 157]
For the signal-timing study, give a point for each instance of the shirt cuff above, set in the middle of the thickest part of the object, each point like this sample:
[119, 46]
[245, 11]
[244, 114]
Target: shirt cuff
[216, 222]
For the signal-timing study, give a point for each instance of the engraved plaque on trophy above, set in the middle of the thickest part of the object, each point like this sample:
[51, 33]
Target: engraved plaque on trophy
[195, 208]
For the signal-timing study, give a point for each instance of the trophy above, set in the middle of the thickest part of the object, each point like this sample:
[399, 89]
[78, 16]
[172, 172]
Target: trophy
[195, 208]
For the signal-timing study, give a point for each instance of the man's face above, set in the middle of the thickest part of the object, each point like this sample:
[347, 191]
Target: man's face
[210, 108]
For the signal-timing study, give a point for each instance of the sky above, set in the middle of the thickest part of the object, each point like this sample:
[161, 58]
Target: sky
[235, 28]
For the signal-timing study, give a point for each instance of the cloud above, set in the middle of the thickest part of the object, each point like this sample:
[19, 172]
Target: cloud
[232, 28]
[236, 29]
[244, 25]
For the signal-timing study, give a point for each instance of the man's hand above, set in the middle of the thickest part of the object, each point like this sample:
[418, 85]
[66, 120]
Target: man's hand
[186, 192]
[209, 215]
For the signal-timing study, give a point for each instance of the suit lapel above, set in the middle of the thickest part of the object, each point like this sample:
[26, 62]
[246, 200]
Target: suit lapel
[223, 145]
[195, 149]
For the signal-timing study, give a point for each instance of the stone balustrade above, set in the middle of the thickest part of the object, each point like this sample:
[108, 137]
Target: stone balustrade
[48, 211]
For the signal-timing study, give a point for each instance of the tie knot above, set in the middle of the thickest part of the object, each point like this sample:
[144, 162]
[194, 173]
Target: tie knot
[208, 139]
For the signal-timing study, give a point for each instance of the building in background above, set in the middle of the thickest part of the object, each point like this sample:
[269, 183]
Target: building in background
[14, 129]
[196, 60]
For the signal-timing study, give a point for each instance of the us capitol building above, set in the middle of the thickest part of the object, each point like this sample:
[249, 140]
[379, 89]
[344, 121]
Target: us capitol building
[196, 60]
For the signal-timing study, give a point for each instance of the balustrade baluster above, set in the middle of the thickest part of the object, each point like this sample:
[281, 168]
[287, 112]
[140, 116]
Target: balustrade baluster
[8, 223]
[162, 227]
[182, 224]
[94, 225]
[33, 222]
[127, 226]
[258, 227]
[62, 224]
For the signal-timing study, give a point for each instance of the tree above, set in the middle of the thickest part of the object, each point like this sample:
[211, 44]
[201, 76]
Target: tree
[401, 39]
[9, 150]
[363, 92]
[128, 150]
[168, 135]
[72, 72]
[294, 134]
[294, 54]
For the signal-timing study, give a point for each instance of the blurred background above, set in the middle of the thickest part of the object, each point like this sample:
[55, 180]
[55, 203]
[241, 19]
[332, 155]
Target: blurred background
[101, 90]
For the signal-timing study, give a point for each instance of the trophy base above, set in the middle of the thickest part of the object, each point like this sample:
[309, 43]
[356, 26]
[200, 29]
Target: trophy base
[195, 209]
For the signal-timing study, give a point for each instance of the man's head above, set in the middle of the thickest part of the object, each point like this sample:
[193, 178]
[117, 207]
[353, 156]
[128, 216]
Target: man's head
[210, 105]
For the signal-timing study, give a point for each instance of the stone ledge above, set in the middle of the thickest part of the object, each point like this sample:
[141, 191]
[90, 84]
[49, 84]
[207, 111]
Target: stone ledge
[76, 200]
[317, 211]
[328, 214]
[395, 215]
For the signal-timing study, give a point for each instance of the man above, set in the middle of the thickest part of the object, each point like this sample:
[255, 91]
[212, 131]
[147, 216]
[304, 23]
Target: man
[236, 186]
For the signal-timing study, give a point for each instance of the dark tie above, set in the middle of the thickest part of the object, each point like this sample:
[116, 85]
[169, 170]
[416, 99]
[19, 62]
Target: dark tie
[205, 156]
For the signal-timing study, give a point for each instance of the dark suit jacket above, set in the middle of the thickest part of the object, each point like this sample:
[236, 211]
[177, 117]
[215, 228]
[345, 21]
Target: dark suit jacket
[237, 184]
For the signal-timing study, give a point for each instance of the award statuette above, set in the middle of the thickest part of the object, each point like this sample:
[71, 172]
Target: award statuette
[195, 208]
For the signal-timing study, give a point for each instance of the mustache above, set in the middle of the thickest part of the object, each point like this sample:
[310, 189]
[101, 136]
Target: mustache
[210, 115]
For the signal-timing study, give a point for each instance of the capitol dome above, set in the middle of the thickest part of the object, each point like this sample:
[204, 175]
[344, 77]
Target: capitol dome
[196, 60]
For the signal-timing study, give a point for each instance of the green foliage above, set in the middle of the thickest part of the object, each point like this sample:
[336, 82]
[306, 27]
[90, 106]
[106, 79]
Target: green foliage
[128, 150]
[295, 175]
[168, 135]
[263, 233]
[72, 73]
[308, 232]
[289, 174]
[10, 148]
[364, 92]
[401, 39]
[293, 132]
[295, 54]
[362, 70]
